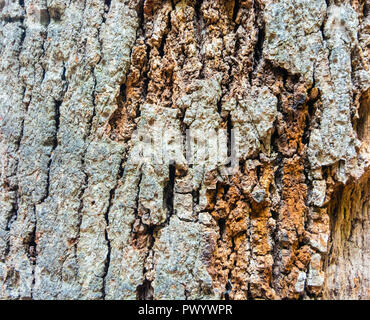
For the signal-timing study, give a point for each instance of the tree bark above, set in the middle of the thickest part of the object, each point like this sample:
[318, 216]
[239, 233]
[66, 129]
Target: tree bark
[258, 186]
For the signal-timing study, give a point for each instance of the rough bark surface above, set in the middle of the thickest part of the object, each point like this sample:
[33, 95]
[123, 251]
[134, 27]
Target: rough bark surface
[81, 218]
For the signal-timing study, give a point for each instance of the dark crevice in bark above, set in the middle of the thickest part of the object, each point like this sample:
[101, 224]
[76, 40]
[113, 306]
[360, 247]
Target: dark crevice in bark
[199, 26]
[235, 10]
[186, 294]
[45, 35]
[13, 19]
[11, 218]
[219, 101]
[365, 10]
[185, 132]
[80, 208]
[143, 236]
[32, 250]
[18, 143]
[258, 172]
[141, 32]
[229, 141]
[276, 247]
[197, 8]
[313, 98]
[221, 225]
[228, 288]
[362, 123]
[107, 4]
[164, 37]
[161, 47]
[168, 191]
[195, 194]
[93, 97]
[107, 260]
[122, 92]
[117, 114]
[64, 76]
[121, 168]
[21, 42]
[98, 29]
[140, 13]
[258, 49]
[144, 291]
[43, 75]
[187, 145]
[146, 76]
[138, 194]
[324, 21]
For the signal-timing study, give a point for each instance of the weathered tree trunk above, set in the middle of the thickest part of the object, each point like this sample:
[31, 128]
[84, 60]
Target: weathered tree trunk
[263, 189]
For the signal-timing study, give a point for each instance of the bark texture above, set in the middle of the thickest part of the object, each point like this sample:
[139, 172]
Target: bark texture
[81, 218]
